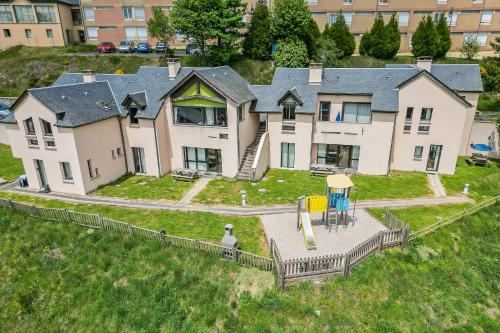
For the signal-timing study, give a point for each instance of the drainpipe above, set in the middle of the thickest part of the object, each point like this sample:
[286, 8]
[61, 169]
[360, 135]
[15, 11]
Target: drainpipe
[392, 144]
[157, 151]
[123, 145]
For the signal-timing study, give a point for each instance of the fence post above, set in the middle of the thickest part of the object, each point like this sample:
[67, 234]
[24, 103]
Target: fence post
[68, 215]
[404, 236]
[101, 222]
[282, 276]
[381, 241]
[130, 230]
[347, 260]
[36, 209]
[11, 205]
[235, 255]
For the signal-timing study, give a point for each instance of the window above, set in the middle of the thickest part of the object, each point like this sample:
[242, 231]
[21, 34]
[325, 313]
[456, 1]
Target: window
[486, 17]
[32, 142]
[442, 2]
[452, 19]
[113, 154]
[203, 159]
[139, 13]
[403, 18]
[357, 113]
[200, 115]
[92, 172]
[6, 33]
[66, 171]
[133, 13]
[139, 160]
[29, 126]
[437, 15]
[6, 15]
[287, 155]
[288, 111]
[409, 114]
[383, 2]
[92, 32]
[104, 7]
[132, 115]
[347, 17]
[45, 14]
[24, 14]
[324, 111]
[133, 33]
[418, 152]
[28, 33]
[89, 13]
[119, 151]
[241, 113]
[127, 13]
[46, 127]
[343, 156]
[482, 38]
[348, 2]
[76, 16]
[312, 2]
[426, 114]
[49, 32]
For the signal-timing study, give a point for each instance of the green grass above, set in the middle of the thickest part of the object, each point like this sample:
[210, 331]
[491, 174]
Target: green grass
[297, 183]
[145, 187]
[10, 167]
[448, 281]
[488, 102]
[483, 182]
[203, 226]
[255, 71]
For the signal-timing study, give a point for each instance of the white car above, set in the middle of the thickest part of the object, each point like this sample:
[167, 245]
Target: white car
[126, 46]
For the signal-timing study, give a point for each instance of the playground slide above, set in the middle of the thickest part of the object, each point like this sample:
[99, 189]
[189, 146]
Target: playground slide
[309, 240]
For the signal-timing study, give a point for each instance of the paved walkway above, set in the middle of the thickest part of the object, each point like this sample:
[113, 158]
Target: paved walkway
[228, 210]
[435, 184]
[197, 188]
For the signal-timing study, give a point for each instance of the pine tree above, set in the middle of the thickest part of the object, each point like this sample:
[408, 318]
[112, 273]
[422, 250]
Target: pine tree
[392, 38]
[444, 37]
[365, 43]
[425, 39]
[340, 34]
[258, 39]
[377, 38]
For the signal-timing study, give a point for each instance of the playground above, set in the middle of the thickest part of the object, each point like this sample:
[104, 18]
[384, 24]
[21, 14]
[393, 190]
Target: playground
[324, 224]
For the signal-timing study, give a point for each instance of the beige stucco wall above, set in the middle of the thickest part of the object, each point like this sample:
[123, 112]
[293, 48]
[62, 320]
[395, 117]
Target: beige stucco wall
[187, 135]
[446, 129]
[163, 139]
[301, 138]
[247, 129]
[3, 134]
[481, 130]
[262, 158]
[472, 98]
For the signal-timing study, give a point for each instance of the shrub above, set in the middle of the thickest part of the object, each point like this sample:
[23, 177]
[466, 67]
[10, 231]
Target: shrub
[340, 34]
[328, 52]
[291, 53]
[469, 47]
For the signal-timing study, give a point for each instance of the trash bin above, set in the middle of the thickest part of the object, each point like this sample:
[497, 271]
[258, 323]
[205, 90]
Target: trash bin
[23, 181]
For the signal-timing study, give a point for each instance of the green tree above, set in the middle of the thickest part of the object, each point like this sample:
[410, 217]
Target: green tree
[217, 20]
[328, 53]
[444, 37]
[377, 38]
[392, 38]
[470, 47]
[496, 45]
[291, 52]
[292, 19]
[340, 34]
[425, 40]
[159, 27]
[311, 38]
[258, 39]
[364, 44]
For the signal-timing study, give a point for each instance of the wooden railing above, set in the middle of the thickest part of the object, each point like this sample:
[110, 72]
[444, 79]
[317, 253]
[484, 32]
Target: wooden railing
[106, 224]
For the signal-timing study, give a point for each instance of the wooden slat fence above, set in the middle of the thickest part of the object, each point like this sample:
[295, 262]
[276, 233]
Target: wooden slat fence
[106, 224]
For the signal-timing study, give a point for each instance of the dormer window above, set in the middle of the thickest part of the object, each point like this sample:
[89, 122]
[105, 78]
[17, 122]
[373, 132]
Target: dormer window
[288, 111]
[29, 126]
[46, 127]
[132, 111]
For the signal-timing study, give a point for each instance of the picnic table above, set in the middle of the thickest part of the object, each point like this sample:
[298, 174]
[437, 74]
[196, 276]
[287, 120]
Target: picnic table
[478, 160]
[185, 174]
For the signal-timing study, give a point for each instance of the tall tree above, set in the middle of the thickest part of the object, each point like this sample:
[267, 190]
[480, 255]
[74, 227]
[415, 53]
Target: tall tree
[444, 37]
[291, 52]
[392, 38]
[470, 47]
[425, 39]
[159, 27]
[258, 40]
[292, 19]
[204, 20]
[311, 38]
[377, 38]
[340, 34]
[365, 43]
[496, 45]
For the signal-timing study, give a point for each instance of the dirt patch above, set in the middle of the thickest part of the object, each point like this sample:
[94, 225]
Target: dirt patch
[253, 281]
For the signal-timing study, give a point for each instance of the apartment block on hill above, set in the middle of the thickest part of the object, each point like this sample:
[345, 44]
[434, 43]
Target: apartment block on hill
[87, 130]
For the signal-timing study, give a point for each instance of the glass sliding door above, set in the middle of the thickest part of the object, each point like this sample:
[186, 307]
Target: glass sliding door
[203, 159]
[434, 156]
[40, 170]
[342, 156]
[139, 160]
[287, 155]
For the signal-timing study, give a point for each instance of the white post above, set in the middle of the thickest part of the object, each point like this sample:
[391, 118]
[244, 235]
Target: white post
[466, 189]
[243, 199]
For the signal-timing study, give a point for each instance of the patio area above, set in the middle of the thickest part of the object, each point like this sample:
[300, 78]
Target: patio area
[290, 241]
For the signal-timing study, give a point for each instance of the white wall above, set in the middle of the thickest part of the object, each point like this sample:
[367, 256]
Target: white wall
[481, 130]
[4, 139]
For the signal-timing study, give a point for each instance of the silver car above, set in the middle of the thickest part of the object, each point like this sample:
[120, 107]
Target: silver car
[126, 46]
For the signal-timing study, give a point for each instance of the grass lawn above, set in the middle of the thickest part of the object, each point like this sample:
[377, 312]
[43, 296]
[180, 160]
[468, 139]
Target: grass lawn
[422, 216]
[57, 277]
[297, 183]
[10, 167]
[145, 187]
[203, 226]
[483, 182]
[488, 102]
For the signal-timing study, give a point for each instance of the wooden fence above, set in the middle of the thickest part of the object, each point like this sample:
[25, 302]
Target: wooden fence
[99, 222]
[441, 223]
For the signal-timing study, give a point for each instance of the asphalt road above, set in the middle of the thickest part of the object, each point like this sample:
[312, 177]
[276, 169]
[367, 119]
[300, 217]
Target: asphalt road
[177, 53]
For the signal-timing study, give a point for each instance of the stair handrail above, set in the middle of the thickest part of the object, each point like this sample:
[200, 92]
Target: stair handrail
[257, 154]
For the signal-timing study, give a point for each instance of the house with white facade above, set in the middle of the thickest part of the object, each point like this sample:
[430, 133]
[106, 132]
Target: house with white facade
[87, 130]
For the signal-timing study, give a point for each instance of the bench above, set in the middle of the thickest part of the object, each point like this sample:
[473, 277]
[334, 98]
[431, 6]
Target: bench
[323, 170]
[185, 174]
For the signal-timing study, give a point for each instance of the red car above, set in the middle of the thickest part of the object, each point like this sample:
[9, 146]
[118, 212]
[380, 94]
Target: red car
[106, 47]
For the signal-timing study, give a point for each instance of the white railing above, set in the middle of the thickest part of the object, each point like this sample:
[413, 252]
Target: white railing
[261, 161]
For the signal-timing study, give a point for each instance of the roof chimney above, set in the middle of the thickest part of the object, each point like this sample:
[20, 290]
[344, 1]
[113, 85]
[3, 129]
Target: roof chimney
[174, 65]
[315, 73]
[88, 76]
[424, 63]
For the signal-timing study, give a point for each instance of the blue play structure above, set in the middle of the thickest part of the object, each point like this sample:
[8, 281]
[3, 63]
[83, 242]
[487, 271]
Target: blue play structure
[338, 190]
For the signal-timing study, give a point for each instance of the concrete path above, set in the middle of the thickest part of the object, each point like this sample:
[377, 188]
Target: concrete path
[227, 210]
[435, 184]
[197, 188]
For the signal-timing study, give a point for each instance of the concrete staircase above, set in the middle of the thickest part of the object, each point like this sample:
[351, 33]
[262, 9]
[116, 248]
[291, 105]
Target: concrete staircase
[245, 172]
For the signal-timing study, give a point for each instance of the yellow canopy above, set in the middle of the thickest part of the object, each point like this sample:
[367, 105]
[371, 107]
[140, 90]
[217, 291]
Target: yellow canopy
[339, 181]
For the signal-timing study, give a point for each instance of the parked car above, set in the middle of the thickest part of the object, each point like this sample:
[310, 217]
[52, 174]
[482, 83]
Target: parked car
[106, 47]
[143, 48]
[126, 46]
[192, 49]
[161, 47]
